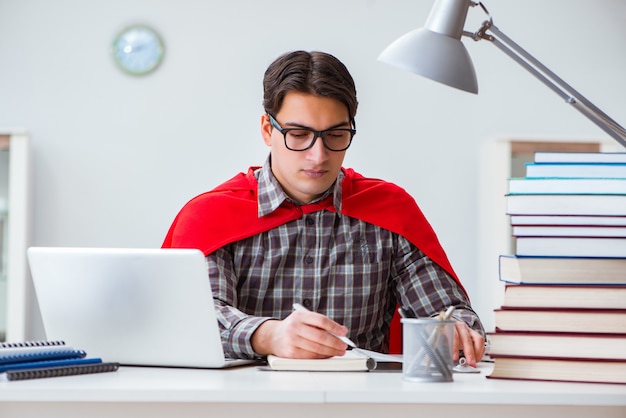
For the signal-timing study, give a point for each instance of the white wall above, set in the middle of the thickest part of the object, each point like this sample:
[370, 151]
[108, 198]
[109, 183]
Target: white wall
[116, 156]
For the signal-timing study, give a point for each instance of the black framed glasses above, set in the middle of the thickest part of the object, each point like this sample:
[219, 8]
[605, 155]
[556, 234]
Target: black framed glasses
[301, 139]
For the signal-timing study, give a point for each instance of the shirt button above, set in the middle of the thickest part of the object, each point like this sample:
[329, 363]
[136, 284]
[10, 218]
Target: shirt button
[310, 221]
[307, 303]
[308, 260]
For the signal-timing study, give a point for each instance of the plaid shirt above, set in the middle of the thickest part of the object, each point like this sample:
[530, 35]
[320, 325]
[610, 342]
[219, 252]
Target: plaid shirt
[351, 271]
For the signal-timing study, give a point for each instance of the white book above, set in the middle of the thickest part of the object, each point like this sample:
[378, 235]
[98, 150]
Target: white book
[351, 361]
[556, 185]
[576, 170]
[570, 247]
[568, 220]
[569, 231]
[562, 270]
[566, 204]
[580, 157]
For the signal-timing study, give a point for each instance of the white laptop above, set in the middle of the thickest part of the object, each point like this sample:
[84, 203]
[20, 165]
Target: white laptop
[144, 307]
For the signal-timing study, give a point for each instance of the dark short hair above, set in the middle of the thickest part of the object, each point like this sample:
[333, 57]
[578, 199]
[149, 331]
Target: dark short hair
[317, 73]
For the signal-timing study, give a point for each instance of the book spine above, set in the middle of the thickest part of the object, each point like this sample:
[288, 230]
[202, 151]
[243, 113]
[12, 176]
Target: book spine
[62, 371]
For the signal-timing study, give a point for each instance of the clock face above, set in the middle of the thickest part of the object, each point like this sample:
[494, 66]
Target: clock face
[138, 50]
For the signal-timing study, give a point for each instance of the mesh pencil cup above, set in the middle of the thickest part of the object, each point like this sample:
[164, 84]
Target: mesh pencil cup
[428, 348]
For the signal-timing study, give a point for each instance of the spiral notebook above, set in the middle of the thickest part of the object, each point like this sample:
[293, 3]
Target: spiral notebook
[138, 307]
[58, 371]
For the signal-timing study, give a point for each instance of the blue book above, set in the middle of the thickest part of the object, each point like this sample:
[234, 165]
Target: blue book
[48, 364]
[41, 356]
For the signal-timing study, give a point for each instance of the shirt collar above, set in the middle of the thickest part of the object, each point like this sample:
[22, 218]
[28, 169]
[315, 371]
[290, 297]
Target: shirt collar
[271, 195]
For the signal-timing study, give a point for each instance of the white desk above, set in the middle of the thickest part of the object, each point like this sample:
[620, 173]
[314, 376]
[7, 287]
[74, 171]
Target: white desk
[248, 392]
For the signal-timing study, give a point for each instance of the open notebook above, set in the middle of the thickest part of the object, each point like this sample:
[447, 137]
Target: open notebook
[144, 307]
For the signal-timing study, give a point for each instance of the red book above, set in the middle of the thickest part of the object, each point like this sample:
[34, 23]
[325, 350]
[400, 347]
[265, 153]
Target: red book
[565, 370]
[610, 321]
[558, 345]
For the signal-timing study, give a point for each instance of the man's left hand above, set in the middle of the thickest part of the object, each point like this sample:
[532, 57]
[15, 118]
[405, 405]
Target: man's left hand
[470, 341]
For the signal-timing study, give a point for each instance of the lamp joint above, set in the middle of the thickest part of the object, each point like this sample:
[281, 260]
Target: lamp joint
[482, 31]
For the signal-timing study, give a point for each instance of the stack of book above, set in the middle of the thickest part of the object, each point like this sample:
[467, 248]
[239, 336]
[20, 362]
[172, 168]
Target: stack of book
[39, 359]
[570, 204]
[563, 316]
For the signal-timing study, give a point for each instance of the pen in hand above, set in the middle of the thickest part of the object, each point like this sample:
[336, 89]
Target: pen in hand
[298, 307]
[369, 353]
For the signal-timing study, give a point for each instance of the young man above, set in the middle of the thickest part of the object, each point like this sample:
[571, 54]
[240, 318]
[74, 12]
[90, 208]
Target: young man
[302, 229]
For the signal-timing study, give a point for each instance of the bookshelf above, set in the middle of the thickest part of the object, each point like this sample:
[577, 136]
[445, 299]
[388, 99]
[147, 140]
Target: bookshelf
[500, 159]
[15, 216]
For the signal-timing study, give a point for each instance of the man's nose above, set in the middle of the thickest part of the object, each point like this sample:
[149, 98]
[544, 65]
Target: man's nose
[318, 152]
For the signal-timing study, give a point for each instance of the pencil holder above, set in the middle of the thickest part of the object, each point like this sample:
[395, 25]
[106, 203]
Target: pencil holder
[427, 350]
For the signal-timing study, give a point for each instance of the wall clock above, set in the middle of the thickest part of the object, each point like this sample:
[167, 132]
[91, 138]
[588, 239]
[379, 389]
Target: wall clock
[138, 50]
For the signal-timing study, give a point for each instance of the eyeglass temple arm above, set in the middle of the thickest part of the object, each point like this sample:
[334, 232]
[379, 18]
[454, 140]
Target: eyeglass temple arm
[549, 78]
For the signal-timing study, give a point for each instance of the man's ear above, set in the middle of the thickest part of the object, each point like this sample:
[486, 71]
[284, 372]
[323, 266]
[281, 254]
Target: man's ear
[266, 130]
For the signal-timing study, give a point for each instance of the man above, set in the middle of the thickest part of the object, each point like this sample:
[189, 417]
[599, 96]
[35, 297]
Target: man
[302, 229]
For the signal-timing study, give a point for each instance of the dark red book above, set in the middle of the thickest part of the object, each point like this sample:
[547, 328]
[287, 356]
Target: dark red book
[607, 321]
[558, 345]
[565, 370]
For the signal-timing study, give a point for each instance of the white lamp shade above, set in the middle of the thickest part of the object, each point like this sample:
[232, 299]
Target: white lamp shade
[434, 56]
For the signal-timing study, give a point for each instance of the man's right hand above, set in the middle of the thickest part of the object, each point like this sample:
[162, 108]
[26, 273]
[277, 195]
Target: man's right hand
[300, 335]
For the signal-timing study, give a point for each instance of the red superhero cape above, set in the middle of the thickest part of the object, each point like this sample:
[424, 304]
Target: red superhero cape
[229, 213]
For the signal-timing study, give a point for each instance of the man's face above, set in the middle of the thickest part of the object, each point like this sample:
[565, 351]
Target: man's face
[305, 175]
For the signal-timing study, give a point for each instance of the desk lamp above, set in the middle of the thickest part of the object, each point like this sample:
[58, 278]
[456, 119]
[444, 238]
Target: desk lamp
[436, 52]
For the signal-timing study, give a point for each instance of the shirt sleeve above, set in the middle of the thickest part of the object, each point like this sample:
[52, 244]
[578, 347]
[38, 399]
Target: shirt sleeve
[236, 327]
[425, 289]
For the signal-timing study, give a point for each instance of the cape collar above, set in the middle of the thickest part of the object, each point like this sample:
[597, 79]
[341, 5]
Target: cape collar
[271, 195]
